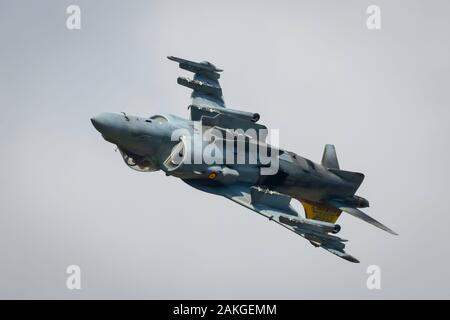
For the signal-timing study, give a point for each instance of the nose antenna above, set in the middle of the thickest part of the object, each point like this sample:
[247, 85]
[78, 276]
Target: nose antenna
[125, 115]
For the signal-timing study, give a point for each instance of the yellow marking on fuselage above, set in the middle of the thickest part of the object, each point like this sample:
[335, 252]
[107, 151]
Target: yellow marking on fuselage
[317, 211]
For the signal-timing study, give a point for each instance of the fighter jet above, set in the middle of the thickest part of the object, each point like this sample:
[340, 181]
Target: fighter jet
[235, 168]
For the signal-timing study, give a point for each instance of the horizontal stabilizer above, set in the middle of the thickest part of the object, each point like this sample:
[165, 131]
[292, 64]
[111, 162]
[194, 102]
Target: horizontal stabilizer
[349, 176]
[354, 178]
[329, 158]
[363, 216]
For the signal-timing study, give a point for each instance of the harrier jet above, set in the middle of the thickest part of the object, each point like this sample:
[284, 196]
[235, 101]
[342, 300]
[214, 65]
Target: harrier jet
[223, 151]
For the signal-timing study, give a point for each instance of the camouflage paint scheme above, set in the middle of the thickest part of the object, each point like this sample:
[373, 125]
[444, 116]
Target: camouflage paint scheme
[324, 190]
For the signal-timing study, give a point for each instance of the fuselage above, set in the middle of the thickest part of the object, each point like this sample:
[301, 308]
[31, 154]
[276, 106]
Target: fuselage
[147, 144]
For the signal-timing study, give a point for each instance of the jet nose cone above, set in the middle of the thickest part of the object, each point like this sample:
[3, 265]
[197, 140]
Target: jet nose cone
[101, 122]
[95, 123]
[113, 127]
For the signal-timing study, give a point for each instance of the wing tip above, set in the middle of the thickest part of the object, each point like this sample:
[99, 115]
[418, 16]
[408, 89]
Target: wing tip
[351, 259]
[203, 65]
[342, 254]
[392, 232]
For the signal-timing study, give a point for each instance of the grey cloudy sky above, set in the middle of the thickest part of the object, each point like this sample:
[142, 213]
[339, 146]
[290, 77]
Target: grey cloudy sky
[310, 68]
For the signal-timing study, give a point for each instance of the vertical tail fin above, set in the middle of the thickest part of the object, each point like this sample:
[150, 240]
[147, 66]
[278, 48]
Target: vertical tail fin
[330, 161]
[354, 178]
[329, 158]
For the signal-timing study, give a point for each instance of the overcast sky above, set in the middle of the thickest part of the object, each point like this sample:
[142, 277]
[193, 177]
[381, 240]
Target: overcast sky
[311, 69]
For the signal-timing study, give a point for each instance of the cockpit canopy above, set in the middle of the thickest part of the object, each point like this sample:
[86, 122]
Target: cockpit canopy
[158, 119]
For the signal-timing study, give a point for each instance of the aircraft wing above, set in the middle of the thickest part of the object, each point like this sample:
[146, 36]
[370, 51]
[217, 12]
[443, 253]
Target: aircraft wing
[208, 105]
[205, 84]
[276, 207]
